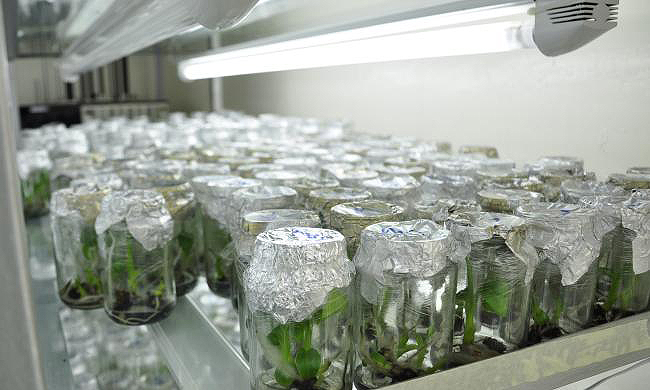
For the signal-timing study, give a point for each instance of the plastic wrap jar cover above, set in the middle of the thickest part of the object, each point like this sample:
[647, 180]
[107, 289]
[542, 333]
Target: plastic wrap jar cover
[255, 223]
[215, 195]
[624, 276]
[487, 151]
[351, 218]
[322, 200]
[298, 288]
[506, 201]
[406, 284]
[187, 243]
[305, 186]
[34, 171]
[135, 231]
[439, 210]
[400, 190]
[575, 189]
[78, 263]
[500, 268]
[568, 240]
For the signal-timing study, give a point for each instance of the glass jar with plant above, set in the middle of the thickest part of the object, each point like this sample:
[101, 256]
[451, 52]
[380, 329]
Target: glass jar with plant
[505, 201]
[322, 200]
[624, 276]
[77, 259]
[500, 268]
[351, 218]
[406, 285]
[34, 170]
[299, 291]
[214, 193]
[255, 223]
[568, 242]
[135, 232]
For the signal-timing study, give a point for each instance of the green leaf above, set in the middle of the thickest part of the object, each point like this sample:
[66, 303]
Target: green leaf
[539, 316]
[277, 335]
[307, 363]
[380, 360]
[301, 333]
[185, 241]
[337, 301]
[282, 379]
[495, 297]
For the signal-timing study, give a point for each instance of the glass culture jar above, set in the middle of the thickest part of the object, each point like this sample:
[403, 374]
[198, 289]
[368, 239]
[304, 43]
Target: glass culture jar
[487, 151]
[406, 283]
[351, 218]
[394, 170]
[135, 232]
[214, 193]
[306, 185]
[322, 200]
[624, 276]
[34, 170]
[511, 178]
[299, 291]
[506, 201]
[400, 190]
[630, 181]
[187, 238]
[249, 170]
[568, 242]
[255, 223]
[575, 189]
[500, 268]
[77, 259]
[639, 170]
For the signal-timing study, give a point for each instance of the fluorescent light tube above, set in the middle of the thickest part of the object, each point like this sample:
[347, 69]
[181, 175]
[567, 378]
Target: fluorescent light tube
[486, 30]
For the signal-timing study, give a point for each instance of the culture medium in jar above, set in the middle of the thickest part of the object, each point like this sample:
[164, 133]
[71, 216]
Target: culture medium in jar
[500, 269]
[400, 190]
[135, 232]
[34, 171]
[214, 193]
[568, 241]
[322, 200]
[78, 263]
[255, 223]
[623, 266]
[506, 201]
[406, 284]
[351, 218]
[299, 291]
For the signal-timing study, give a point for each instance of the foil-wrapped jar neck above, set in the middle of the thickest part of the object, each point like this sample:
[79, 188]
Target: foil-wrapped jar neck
[293, 270]
[259, 198]
[505, 200]
[571, 166]
[194, 169]
[352, 177]
[483, 226]
[366, 210]
[566, 234]
[179, 199]
[80, 202]
[280, 177]
[635, 216]
[32, 160]
[439, 210]
[574, 189]
[143, 211]
[213, 191]
[391, 186]
[630, 181]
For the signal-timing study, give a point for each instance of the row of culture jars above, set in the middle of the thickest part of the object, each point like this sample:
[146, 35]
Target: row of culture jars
[131, 251]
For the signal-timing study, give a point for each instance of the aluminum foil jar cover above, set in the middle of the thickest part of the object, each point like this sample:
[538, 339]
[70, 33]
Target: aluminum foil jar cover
[635, 216]
[395, 189]
[194, 169]
[572, 166]
[506, 200]
[439, 210]
[354, 177]
[509, 179]
[143, 211]
[179, 199]
[456, 167]
[565, 234]
[258, 222]
[83, 203]
[454, 187]
[396, 170]
[639, 170]
[481, 226]
[32, 160]
[417, 248]
[322, 200]
[213, 192]
[487, 151]
[293, 269]
[306, 185]
[575, 189]
[257, 198]
[630, 181]
[280, 177]
[608, 208]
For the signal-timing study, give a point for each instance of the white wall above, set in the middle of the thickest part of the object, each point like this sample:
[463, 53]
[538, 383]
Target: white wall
[594, 103]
